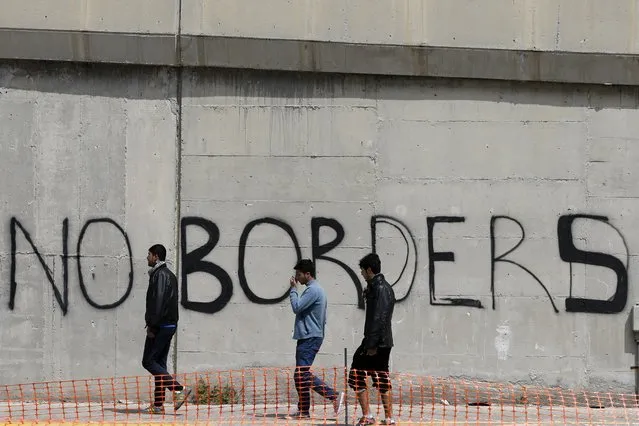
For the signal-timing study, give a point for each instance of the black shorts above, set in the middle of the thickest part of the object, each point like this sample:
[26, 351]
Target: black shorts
[375, 366]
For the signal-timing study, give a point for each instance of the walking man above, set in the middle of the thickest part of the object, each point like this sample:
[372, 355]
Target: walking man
[310, 319]
[371, 358]
[161, 321]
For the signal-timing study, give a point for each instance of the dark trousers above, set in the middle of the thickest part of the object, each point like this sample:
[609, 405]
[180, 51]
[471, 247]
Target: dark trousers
[305, 380]
[156, 352]
[375, 366]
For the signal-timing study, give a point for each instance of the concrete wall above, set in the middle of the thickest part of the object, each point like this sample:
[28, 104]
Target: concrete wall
[85, 155]
[337, 151]
[272, 163]
[584, 41]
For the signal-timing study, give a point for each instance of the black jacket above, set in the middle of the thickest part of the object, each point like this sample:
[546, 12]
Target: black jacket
[161, 298]
[380, 302]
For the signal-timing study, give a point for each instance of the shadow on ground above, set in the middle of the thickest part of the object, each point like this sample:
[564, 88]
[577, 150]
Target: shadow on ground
[141, 411]
[311, 421]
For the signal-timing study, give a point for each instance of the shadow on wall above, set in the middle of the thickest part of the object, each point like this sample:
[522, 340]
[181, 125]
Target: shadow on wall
[147, 82]
[105, 80]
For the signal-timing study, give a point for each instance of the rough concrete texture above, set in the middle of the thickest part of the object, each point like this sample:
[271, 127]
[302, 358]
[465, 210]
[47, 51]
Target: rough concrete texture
[587, 41]
[78, 145]
[272, 163]
[565, 25]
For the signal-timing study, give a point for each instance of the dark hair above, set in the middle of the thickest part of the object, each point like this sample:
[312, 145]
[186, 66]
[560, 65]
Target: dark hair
[304, 266]
[159, 251]
[372, 261]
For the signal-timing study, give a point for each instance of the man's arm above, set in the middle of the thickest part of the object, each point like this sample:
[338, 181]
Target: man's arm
[300, 303]
[156, 304]
[372, 334]
[380, 308]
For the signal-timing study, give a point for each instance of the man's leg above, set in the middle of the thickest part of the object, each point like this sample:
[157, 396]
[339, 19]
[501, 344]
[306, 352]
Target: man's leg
[148, 346]
[322, 388]
[362, 398]
[170, 383]
[387, 401]
[381, 380]
[357, 381]
[303, 377]
[154, 361]
[319, 385]
[159, 392]
[149, 362]
[180, 392]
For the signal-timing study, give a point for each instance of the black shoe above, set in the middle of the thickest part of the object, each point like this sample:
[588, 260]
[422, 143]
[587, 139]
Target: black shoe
[299, 416]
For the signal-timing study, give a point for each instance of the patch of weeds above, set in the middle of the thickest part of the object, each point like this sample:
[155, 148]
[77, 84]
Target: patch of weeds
[215, 394]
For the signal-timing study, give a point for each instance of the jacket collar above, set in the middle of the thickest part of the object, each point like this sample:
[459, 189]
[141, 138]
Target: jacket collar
[157, 266]
[377, 279]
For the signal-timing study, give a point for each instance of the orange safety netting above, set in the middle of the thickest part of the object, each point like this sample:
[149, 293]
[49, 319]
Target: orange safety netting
[268, 395]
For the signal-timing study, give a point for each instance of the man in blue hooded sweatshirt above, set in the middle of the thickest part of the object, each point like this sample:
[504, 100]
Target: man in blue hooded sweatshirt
[310, 319]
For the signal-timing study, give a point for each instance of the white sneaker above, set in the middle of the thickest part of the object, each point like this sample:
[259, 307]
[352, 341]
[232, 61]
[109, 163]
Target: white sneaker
[338, 404]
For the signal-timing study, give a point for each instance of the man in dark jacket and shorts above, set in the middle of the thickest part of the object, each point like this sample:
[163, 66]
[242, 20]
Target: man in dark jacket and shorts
[372, 356]
[161, 319]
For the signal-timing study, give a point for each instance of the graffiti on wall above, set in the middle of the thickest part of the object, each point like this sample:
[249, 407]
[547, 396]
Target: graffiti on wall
[62, 295]
[193, 261]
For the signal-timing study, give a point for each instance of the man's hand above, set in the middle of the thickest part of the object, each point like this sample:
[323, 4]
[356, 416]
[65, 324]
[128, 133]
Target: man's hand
[292, 282]
[371, 351]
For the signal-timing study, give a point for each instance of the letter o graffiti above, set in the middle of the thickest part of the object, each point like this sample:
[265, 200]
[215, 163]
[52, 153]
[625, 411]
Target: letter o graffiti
[241, 272]
[79, 257]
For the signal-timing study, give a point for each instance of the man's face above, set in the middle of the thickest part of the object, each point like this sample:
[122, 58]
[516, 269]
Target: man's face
[151, 259]
[301, 277]
[367, 274]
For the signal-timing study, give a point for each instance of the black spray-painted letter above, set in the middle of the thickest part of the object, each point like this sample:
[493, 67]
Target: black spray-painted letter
[83, 287]
[502, 258]
[443, 256]
[319, 251]
[406, 235]
[62, 299]
[569, 253]
[192, 262]
[241, 267]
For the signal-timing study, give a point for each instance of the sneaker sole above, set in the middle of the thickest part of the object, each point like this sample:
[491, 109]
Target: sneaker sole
[340, 407]
[187, 393]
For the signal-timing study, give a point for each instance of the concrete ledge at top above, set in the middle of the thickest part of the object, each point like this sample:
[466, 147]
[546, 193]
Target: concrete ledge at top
[586, 26]
[120, 31]
[582, 41]
[293, 55]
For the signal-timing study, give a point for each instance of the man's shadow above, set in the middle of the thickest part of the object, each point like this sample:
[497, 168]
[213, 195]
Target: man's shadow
[309, 421]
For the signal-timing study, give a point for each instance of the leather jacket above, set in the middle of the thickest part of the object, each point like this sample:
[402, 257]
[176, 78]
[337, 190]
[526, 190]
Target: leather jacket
[380, 302]
[161, 298]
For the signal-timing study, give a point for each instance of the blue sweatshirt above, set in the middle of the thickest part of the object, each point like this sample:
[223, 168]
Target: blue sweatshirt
[309, 310]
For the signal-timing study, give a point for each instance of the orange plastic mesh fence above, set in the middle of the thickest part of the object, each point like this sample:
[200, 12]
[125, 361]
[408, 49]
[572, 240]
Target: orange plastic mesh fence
[268, 395]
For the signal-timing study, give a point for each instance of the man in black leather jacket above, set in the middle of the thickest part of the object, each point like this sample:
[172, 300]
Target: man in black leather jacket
[161, 319]
[372, 356]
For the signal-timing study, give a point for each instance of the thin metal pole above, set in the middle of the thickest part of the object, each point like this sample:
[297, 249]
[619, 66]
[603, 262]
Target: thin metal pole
[346, 387]
[636, 367]
[178, 169]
